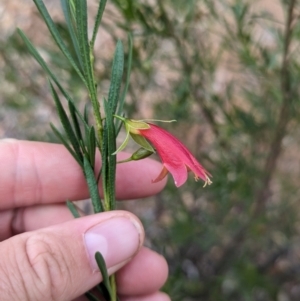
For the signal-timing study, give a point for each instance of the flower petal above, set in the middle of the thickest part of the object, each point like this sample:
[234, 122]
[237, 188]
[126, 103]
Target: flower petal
[161, 176]
[198, 169]
[174, 154]
[179, 173]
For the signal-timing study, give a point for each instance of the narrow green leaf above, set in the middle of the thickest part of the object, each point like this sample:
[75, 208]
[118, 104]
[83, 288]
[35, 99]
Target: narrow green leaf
[92, 185]
[43, 64]
[109, 157]
[103, 291]
[72, 9]
[84, 149]
[37, 56]
[65, 143]
[56, 36]
[99, 175]
[83, 39]
[65, 4]
[91, 297]
[116, 77]
[98, 19]
[86, 114]
[103, 269]
[104, 168]
[92, 146]
[82, 33]
[75, 120]
[129, 64]
[87, 57]
[66, 123]
[72, 207]
[118, 123]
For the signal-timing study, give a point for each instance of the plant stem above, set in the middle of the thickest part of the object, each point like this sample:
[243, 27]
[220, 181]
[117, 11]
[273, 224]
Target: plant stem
[96, 104]
[274, 152]
[284, 115]
[113, 286]
[106, 202]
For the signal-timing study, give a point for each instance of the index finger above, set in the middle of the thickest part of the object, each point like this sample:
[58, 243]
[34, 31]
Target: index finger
[41, 173]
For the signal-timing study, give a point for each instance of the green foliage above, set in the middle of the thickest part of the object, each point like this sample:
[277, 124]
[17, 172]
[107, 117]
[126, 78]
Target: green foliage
[83, 147]
[106, 284]
[238, 125]
[56, 36]
[228, 72]
[74, 210]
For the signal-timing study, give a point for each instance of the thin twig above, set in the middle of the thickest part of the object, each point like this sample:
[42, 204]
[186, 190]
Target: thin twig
[275, 149]
[188, 66]
[283, 120]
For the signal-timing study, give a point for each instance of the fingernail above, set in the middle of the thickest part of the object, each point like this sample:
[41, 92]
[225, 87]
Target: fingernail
[117, 239]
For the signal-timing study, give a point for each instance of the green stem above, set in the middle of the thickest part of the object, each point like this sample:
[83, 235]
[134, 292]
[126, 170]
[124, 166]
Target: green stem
[98, 118]
[106, 202]
[96, 104]
[113, 286]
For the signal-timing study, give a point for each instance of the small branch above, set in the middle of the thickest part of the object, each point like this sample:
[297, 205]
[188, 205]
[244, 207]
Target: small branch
[284, 117]
[188, 65]
[275, 149]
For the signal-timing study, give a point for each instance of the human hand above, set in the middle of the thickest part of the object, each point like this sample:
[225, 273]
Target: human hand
[48, 255]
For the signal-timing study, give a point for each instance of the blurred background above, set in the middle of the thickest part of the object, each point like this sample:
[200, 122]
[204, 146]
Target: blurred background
[228, 71]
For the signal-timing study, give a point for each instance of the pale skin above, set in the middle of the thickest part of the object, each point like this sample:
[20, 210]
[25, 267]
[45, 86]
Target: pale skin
[45, 253]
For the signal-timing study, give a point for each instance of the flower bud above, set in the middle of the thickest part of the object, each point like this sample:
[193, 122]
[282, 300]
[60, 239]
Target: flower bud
[140, 154]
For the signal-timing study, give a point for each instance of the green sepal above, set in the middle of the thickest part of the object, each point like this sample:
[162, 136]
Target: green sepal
[124, 143]
[134, 125]
[140, 140]
[132, 128]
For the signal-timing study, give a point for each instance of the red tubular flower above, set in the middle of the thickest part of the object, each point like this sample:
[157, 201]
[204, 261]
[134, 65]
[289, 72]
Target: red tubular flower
[176, 158]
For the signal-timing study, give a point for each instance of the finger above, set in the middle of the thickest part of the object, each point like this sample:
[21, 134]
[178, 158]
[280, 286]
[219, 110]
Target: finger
[133, 279]
[39, 173]
[57, 263]
[153, 297]
[32, 218]
[158, 296]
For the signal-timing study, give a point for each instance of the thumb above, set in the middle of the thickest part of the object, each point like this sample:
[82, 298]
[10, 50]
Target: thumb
[57, 263]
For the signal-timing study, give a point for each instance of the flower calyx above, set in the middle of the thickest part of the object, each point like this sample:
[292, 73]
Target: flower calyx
[132, 128]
